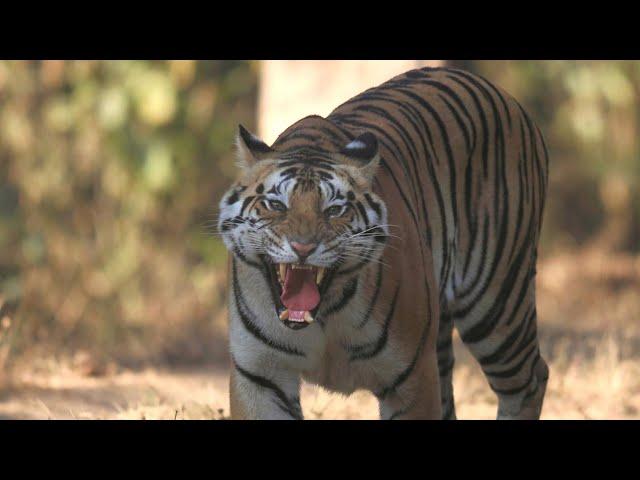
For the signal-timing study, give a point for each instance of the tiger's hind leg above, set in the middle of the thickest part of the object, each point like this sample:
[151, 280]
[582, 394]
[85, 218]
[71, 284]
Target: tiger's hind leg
[503, 338]
[515, 370]
[528, 406]
[445, 366]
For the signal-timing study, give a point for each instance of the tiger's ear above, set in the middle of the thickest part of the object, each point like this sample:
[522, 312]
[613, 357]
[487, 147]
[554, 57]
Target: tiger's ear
[250, 149]
[362, 152]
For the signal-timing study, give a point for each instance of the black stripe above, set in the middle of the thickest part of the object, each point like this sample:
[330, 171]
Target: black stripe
[458, 101]
[291, 407]
[483, 121]
[498, 139]
[363, 214]
[246, 317]
[246, 203]
[233, 198]
[406, 373]
[431, 169]
[450, 157]
[495, 90]
[374, 298]
[459, 121]
[374, 206]
[347, 294]
[485, 325]
[411, 114]
[240, 256]
[231, 223]
[366, 256]
[526, 383]
[499, 353]
[371, 349]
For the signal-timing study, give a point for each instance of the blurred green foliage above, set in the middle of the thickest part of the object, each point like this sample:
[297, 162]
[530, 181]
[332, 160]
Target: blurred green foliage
[589, 113]
[109, 173]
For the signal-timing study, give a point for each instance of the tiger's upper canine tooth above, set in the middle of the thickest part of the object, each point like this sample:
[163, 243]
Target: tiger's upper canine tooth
[308, 317]
[283, 271]
[319, 275]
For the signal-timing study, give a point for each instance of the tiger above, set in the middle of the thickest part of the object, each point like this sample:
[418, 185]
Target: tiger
[359, 240]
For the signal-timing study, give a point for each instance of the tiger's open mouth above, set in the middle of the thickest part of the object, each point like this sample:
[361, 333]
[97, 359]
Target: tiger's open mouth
[298, 288]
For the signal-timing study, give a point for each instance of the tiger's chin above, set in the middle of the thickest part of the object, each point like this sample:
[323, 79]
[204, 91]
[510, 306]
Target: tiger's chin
[298, 290]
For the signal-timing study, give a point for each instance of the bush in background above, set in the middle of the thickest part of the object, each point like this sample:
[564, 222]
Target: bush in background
[589, 113]
[109, 173]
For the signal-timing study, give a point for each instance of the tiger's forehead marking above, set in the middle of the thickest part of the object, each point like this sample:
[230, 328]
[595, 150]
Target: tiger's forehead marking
[305, 199]
[286, 180]
[307, 179]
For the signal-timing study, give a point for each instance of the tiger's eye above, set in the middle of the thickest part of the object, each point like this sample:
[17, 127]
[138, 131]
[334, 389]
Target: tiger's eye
[277, 205]
[334, 211]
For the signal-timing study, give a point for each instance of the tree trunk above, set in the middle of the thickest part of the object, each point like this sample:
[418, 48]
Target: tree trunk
[293, 89]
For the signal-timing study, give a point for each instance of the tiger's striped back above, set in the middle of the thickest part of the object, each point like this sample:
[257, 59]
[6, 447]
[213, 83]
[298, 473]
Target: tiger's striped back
[471, 167]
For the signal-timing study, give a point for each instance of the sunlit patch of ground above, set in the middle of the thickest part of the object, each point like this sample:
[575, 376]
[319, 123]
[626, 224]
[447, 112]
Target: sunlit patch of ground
[604, 386]
[589, 309]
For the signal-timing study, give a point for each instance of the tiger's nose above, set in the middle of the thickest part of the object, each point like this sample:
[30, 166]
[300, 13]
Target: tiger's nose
[303, 249]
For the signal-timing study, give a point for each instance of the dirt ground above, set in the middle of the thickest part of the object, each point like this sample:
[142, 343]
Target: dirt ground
[589, 310]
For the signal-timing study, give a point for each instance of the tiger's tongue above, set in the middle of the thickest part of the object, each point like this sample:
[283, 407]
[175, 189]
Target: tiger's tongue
[300, 292]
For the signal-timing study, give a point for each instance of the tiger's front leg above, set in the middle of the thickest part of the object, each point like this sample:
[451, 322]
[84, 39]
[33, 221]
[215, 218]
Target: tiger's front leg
[256, 396]
[415, 392]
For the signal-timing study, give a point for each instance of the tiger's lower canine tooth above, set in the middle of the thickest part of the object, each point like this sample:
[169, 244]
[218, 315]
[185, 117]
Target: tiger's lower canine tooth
[308, 317]
[284, 315]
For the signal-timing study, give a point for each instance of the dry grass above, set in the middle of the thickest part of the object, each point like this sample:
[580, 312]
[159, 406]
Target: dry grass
[589, 311]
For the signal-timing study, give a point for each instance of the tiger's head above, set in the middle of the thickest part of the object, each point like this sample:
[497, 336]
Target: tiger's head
[306, 215]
